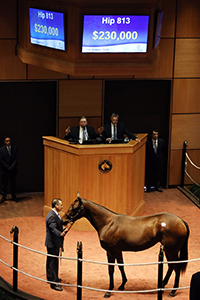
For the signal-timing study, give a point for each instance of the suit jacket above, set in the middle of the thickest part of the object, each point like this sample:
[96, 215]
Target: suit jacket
[195, 287]
[53, 230]
[121, 130]
[9, 162]
[74, 133]
[154, 159]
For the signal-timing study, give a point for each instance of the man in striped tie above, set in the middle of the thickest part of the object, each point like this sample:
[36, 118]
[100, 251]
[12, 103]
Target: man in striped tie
[116, 130]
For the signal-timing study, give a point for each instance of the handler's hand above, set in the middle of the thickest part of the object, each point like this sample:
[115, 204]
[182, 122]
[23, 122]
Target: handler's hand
[64, 232]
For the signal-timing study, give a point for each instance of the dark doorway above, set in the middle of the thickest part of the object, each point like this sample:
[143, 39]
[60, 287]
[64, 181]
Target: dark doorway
[28, 112]
[142, 105]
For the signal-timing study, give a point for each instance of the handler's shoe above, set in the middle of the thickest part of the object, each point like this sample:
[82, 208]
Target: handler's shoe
[3, 199]
[56, 287]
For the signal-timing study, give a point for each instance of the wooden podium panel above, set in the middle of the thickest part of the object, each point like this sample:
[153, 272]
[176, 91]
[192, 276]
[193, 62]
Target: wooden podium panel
[111, 175]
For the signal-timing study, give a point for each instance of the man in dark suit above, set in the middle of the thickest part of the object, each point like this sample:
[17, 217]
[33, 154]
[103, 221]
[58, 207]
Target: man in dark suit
[195, 286]
[54, 242]
[9, 157]
[115, 130]
[80, 133]
[155, 148]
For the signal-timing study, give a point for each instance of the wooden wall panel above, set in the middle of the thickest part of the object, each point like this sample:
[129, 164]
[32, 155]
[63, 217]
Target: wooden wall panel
[11, 66]
[188, 20]
[81, 77]
[187, 58]
[8, 19]
[35, 72]
[65, 122]
[162, 66]
[176, 167]
[185, 128]
[168, 26]
[80, 97]
[186, 96]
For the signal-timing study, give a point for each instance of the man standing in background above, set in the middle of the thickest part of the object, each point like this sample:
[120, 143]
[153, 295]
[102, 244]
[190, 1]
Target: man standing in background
[9, 157]
[155, 148]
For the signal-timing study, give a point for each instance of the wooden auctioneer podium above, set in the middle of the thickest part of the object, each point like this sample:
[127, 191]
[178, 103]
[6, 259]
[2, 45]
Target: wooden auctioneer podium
[111, 175]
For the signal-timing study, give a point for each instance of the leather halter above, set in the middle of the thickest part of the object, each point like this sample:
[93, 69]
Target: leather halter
[72, 218]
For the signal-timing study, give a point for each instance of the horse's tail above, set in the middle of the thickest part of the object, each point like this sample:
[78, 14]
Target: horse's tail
[184, 250]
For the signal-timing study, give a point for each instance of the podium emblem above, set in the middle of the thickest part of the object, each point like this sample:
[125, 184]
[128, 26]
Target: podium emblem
[105, 166]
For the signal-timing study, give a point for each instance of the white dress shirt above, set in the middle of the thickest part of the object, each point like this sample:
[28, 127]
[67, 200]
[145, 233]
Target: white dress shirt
[81, 134]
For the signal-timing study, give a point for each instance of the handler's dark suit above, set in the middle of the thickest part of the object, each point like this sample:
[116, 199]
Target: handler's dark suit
[9, 170]
[53, 243]
[74, 133]
[154, 163]
[195, 287]
[121, 130]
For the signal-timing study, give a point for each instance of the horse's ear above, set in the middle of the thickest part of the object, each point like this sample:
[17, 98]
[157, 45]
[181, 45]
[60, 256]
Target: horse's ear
[78, 196]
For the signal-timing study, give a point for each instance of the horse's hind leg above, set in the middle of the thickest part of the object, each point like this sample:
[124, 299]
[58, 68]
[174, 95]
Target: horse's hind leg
[176, 282]
[171, 267]
[168, 274]
[121, 268]
[111, 259]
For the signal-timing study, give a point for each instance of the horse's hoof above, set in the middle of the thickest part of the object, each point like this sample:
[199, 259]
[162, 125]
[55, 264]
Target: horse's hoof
[163, 284]
[107, 295]
[171, 294]
[121, 287]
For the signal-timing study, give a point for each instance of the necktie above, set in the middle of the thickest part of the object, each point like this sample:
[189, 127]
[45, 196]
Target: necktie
[115, 136]
[83, 135]
[155, 147]
[9, 151]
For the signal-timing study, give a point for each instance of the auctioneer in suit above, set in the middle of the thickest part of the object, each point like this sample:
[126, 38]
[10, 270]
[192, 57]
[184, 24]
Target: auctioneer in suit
[74, 133]
[121, 131]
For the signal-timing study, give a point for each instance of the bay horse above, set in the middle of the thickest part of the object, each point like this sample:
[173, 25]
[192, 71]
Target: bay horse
[120, 232]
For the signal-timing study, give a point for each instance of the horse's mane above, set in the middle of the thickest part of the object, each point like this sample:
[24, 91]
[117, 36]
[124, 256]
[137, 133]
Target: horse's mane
[101, 206]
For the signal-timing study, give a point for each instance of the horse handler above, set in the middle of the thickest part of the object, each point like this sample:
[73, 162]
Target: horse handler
[54, 242]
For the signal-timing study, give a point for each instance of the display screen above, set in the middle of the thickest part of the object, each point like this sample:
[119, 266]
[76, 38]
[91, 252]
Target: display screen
[47, 28]
[120, 34]
[158, 29]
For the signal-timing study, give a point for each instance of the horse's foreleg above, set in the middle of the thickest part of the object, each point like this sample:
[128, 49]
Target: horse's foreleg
[111, 259]
[121, 268]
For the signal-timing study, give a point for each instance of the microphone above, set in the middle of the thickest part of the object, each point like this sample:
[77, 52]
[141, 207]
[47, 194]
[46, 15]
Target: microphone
[83, 127]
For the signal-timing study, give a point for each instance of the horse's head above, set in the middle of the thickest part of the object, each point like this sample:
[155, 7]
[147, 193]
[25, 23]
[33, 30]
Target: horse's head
[74, 212]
